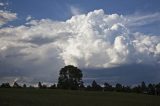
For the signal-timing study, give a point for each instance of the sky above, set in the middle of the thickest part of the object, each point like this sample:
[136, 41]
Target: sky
[109, 40]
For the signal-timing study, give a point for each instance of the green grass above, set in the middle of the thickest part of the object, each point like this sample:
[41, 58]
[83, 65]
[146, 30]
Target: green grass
[49, 97]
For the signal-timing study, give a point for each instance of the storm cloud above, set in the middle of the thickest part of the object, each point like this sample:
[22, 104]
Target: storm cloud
[39, 48]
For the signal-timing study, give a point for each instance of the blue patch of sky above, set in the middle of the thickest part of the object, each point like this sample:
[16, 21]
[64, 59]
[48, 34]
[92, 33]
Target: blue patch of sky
[60, 9]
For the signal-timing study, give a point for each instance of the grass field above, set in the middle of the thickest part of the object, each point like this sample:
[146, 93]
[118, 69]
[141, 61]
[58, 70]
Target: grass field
[49, 97]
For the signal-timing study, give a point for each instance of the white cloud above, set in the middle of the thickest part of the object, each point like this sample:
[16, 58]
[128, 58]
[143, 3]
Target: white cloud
[140, 20]
[6, 16]
[75, 11]
[29, 17]
[2, 4]
[89, 40]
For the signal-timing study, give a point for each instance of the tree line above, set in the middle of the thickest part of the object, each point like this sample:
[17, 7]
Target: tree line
[70, 77]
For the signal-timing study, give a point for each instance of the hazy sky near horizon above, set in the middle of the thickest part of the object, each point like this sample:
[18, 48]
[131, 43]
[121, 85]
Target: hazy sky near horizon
[113, 41]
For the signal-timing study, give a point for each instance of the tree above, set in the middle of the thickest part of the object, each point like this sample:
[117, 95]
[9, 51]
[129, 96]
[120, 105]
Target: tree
[81, 86]
[69, 77]
[53, 86]
[40, 85]
[88, 88]
[126, 89]
[95, 86]
[24, 86]
[158, 89]
[143, 86]
[118, 87]
[151, 89]
[16, 85]
[5, 85]
[137, 89]
[107, 87]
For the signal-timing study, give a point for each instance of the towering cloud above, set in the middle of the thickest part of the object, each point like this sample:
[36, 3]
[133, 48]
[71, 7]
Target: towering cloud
[40, 47]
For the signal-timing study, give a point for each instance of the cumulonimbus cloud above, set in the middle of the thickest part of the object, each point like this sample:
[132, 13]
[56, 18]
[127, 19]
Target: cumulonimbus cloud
[89, 40]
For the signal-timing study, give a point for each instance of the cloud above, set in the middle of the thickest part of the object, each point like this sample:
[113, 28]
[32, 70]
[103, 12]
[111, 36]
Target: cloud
[28, 18]
[40, 48]
[2, 4]
[141, 20]
[125, 74]
[6, 16]
[75, 11]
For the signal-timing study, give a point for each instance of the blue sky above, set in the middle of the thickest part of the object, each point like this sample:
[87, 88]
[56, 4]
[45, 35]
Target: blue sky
[61, 9]
[109, 39]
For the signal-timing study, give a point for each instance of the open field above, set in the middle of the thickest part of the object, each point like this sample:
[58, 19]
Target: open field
[49, 97]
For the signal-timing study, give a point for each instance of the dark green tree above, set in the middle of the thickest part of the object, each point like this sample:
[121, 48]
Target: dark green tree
[70, 77]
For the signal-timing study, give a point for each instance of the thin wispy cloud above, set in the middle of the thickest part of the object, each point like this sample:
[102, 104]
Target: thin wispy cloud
[75, 10]
[140, 20]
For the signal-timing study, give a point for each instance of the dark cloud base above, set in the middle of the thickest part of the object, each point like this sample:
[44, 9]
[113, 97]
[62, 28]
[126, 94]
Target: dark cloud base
[126, 74]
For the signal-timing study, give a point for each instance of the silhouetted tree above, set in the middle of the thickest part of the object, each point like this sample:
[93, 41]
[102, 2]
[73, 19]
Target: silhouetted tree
[16, 85]
[157, 88]
[53, 86]
[5, 85]
[81, 86]
[118, 87]
[24, 86]
[107, 87]
[95, 86]
[126, 89]
[151, 89]
[31, 87]
[69, 77]
[44, 86]
[137, 89]
[40, 85]
[143, 87]
[88, 88]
